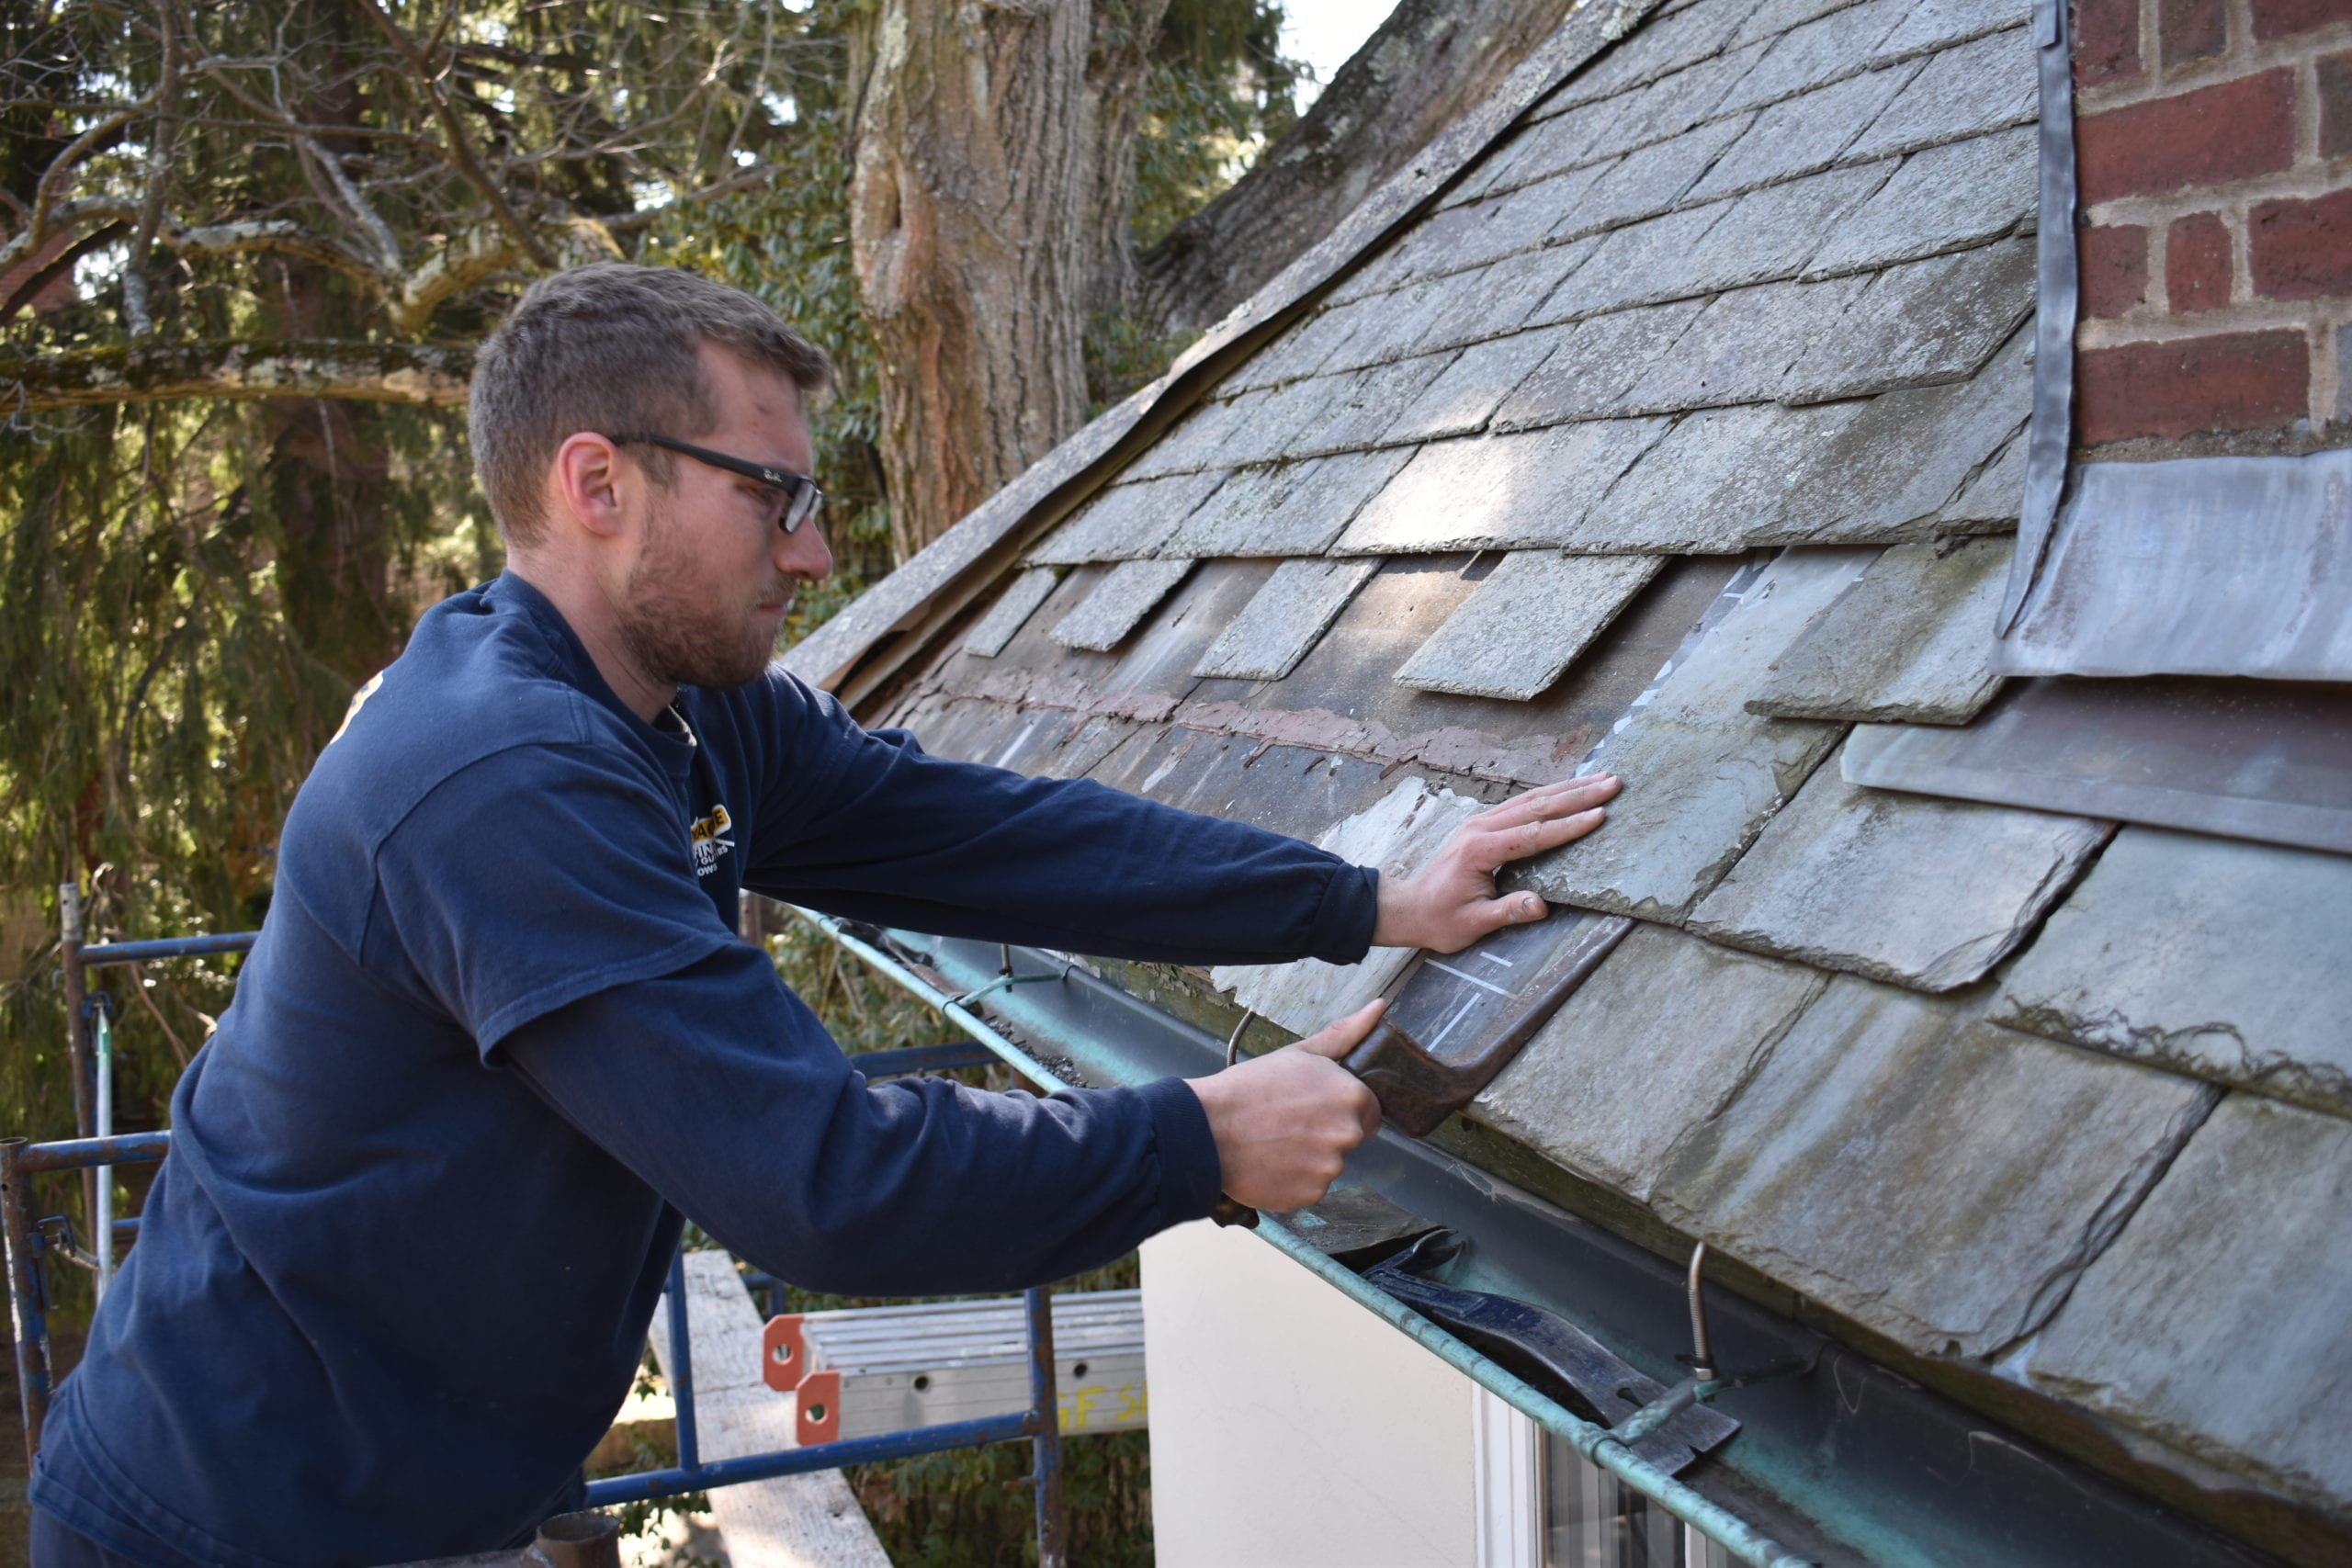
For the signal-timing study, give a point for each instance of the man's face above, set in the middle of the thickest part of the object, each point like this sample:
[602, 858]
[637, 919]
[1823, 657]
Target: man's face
[714, 575]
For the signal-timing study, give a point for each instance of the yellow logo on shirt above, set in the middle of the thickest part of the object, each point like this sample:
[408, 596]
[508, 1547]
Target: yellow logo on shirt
[710, 840]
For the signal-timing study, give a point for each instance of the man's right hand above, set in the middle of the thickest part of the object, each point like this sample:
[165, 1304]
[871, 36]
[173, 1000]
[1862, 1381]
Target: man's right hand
[1284, 1121]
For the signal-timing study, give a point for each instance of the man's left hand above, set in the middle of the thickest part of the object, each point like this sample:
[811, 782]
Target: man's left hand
[1449, 902]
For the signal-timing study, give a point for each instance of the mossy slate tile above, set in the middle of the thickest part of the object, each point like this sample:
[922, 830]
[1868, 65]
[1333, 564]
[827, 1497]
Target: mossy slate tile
[1908, 644]
[1657, 1041]
[2209, 956]
[1943, 198]
[1708, 773]
[1525, 623]
[1906, 888]
[1933, 1177]
[1131, 590]
[2216, 1323]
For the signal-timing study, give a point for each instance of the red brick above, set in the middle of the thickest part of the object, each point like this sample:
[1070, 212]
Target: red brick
[2192, 29]
[2231, 381]
[2276, 18]
[2301, 250]
[2196, 264]
[2107, 42]
[2227, 131]
[2336, 104]
[2113, 263]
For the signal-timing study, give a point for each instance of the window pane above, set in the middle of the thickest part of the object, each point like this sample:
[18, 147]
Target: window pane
[1593, 1520]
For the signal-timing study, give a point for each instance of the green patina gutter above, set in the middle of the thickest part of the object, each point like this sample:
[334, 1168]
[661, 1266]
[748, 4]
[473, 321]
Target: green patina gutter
[1597, 1444]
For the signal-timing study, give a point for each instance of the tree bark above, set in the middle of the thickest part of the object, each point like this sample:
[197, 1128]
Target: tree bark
[1429, 61]
[367, 372]
[972, 219]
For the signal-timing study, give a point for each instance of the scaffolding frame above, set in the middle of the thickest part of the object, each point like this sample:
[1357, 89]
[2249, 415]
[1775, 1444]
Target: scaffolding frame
[32, 1239]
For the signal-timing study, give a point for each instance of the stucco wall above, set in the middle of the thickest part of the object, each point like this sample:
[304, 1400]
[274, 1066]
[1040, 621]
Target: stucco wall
[1290, 1429]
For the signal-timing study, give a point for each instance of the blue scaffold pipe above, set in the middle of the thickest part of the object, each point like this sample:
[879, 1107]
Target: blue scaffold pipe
[681, 1363]
[168, 947]
[800, 1462]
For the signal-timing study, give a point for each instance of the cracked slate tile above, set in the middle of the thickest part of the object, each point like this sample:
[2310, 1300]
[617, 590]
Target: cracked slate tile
[1656, 1042]
[1872, 882]
[1648, 182]
[1939, 23]
[1296, 508]
[1598, 360]
[1714, 482]
[1395, 833]
[1358, 415]
[1708, 773]
[1465, 398]
[1936, 1178]
[2209, 956]
[1011, 611]
[1119, 602]
[1500, 296]
[1963, 91]
[1525, 623]
[1921, 324]
[1128, 520]
[2215, 1324]
[1997, 494]
[1801, 134]
[1943, 198]
[1769, 233]
[1285, 618]
[1742, 348]
[1910, 643]
[1638, 265]
[1494, 492]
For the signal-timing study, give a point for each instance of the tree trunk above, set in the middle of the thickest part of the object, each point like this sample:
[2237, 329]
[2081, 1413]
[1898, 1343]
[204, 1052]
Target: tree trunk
[972, 176]
[1429, 61]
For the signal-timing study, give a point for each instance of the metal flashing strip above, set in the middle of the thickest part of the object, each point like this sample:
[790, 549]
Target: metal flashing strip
[2049, 435]
[2238, 759]
[2195, 566]
[1849, 1462]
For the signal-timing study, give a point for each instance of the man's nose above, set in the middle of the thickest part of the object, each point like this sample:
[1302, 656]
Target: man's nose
[803, 553]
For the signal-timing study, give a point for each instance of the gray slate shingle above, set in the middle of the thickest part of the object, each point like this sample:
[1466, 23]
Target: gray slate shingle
[1496, 299]
[1801, 134]
[1963, 91]
[1745, 347]
[1465, 398]
[1908, 644]
[1938, 24]
[1654, 1043]
[1939, 1180]
[1494, 492]
[1128, 520]
[1650, 181]
[1266, 641]
[1961, 193]
[1997, 494]
[1922, 323]
[1814, 53]
[1129, 592]
[1708, 773]
[1719, 478]
[2206, 955]
[2216, 1321]
[1296, 508]
[1904, 888]
[1597, 362]
[1011, 610]
[1661, 44]
[1365, 405]
[1670, 107]
[1526, 623]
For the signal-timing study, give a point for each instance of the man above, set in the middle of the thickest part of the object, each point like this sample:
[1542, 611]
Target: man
[498, 1034]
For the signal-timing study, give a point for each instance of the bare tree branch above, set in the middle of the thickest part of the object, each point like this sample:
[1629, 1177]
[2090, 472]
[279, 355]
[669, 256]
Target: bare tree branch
[430, 373]
[461, 151]
[137, 317]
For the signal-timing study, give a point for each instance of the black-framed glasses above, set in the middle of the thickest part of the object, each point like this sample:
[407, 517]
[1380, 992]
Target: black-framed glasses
[801, 495]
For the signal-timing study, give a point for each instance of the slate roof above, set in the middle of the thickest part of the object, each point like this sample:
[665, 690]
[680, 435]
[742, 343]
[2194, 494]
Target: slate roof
[2048, 1101]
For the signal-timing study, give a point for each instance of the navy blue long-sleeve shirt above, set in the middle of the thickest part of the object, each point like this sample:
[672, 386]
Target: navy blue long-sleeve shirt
[499, 1033]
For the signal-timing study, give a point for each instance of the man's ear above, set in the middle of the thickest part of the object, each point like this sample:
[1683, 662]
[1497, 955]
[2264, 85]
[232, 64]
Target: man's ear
[585, 480]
